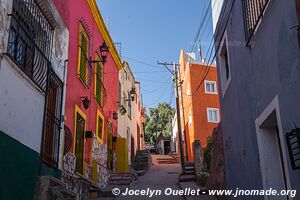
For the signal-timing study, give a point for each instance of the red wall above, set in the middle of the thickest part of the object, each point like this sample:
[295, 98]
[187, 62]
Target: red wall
[72, 12]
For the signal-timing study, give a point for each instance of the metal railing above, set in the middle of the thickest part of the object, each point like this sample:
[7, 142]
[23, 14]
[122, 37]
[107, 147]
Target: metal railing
[30, 41]
[52, 120]
[85, 72]
[101, 94]
[253, 11]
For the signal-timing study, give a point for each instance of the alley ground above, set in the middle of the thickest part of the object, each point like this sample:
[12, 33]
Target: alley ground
[160, 177]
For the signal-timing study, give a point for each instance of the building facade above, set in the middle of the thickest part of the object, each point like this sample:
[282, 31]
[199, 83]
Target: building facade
[199, 103]
[32, 79]
[127, 125]
[258, 67]
[91, 110]
[141, 118]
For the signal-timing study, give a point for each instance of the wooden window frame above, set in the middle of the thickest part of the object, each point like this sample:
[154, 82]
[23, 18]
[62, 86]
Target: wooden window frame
[99, 115]
[82, 32]
[83, 115]
[99, 99]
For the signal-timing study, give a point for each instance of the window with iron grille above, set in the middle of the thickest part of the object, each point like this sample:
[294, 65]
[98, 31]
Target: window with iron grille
[129, 105]
[99, 81]
[52, 121]
[30, 40]
[100, 126]
[83, 54]
[253, 11]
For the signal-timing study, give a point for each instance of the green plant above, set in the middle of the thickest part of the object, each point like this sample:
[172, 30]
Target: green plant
[202, 178]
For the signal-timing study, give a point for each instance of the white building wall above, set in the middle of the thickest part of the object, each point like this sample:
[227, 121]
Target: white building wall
[124, 121]
[21, 106]
[216, 6]
[21, 101]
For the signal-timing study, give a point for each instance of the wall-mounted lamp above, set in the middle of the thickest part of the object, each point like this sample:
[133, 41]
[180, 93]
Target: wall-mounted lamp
[104, 49]
[115, 115]
[86, 102]
[132, 94]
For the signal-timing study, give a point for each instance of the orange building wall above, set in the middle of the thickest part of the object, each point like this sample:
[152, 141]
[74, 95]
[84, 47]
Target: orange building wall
[191, 75]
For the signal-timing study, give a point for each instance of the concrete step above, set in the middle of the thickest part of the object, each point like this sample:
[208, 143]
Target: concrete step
[167, 162]
[141, 160]
[189, 172]
[120, 178]
[141, 172]
[187, 178]
[140, 166]
[121, 182]
[189, 168]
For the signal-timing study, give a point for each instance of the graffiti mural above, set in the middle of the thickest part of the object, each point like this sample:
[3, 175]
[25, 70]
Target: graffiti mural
[99, 156]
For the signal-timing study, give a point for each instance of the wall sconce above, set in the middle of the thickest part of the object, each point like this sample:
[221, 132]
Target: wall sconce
[104, 49]
[132, 94]
[132, 91]
[115, 115]
[86, 102]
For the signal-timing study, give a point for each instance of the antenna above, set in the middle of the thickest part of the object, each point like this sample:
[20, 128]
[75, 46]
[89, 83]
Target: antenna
[119, 48]
[107, 23]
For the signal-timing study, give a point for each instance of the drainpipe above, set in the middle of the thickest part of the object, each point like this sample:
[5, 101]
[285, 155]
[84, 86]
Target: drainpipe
[60, 157]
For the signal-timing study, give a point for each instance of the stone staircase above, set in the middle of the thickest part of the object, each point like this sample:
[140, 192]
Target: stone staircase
[121, 178]
[116, 180]
[167, 160]
[142, 162]
[189, 174]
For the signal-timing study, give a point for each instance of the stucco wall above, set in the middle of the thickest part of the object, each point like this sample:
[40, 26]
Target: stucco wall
[124, 121]
[21, 107]
[269, 68]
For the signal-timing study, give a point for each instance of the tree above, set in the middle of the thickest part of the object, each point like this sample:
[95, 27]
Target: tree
[159, 123]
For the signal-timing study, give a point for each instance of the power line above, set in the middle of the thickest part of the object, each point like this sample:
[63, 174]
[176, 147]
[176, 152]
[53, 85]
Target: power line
[141, 62]
[218, 46]
[217, 49]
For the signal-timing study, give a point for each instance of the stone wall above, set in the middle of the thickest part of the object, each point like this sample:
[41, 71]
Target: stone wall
[76, 183]
[99, 156]
[217, 166]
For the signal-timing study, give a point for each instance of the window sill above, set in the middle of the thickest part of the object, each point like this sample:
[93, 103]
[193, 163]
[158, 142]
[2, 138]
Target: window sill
[211, 93]
[214, 122]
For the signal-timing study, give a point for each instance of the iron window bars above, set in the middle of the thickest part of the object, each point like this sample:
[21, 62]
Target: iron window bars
[101, 94]
[30, 40]
[293, 143]
[52, 120]
[85, 70]
[253, 11]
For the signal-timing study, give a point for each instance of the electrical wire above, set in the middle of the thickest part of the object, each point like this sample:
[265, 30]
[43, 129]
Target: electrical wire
[218, 46]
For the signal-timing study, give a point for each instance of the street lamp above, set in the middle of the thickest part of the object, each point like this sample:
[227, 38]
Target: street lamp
[104, 49]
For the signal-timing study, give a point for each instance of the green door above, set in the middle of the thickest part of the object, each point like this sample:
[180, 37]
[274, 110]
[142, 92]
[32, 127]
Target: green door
[79, 147]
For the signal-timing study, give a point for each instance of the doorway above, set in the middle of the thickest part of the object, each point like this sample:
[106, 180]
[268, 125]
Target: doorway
[79, 145]
[272, 155]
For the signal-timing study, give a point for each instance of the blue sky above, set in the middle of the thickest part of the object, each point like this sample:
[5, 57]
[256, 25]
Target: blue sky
[151, 31]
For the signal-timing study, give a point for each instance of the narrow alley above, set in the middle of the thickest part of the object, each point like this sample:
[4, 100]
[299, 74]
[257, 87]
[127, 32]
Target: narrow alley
[179, 100]
[164, 174]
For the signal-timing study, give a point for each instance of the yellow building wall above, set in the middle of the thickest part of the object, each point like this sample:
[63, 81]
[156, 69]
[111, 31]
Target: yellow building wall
[122, 155]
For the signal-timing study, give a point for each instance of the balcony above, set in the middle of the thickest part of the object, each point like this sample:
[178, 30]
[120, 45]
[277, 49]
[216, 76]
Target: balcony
[253, 11]
[30, 41]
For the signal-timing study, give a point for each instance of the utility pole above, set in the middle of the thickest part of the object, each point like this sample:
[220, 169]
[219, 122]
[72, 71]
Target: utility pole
[183, 117]
[175, 75]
